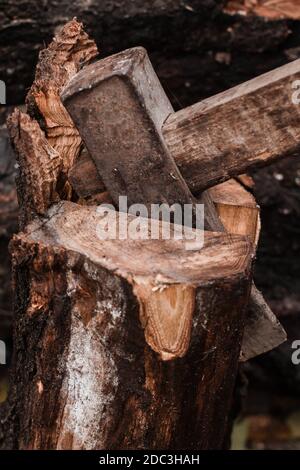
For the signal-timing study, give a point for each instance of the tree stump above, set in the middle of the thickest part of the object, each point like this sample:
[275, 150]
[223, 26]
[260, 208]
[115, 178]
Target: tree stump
[124, 345]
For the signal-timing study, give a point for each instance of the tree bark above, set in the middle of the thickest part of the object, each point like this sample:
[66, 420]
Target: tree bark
[83, 376]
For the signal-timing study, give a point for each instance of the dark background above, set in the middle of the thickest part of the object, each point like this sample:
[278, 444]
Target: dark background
[197, 50]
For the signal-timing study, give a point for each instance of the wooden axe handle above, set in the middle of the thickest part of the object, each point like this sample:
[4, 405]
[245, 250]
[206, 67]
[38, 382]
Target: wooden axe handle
[248, 126]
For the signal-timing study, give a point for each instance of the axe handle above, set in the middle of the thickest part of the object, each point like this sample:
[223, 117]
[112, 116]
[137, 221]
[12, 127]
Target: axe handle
[248, 126]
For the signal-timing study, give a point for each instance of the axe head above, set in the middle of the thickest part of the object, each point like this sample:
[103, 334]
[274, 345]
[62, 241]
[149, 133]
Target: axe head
[118, 106]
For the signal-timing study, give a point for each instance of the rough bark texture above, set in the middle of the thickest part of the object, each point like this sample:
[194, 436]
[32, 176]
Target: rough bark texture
[88, 379]
[8, 226]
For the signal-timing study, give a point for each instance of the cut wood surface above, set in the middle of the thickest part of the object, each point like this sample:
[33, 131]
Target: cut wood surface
[150, 267]
[237, 209]
[88, 379]
[248, 126]
[76, 228]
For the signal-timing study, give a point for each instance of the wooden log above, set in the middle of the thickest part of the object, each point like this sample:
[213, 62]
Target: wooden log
[88, 379]
[245, 127]
[239, 214]
[139, 324]
[60, 267]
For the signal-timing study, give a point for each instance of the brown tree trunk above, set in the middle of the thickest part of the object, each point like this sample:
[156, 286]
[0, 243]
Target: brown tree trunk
[84, 376]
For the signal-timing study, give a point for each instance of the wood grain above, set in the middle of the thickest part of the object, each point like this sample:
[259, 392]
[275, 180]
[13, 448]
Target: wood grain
[237, 209]
[39, 166]
[57, 64]
[248, 126]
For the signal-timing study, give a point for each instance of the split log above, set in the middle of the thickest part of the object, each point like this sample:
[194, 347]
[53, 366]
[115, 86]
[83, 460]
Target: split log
[121, 337]
[119, 107]
[88, 379]
[50, 255]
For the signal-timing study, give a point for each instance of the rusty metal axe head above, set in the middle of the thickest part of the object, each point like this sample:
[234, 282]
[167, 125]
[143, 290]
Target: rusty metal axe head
[119, 107]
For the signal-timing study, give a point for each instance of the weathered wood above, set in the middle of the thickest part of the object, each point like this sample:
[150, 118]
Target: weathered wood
[88, 380]
[60, 268]
[186, 41]
[245, 127]
[263, 332]
[39, 166]
[58, 63]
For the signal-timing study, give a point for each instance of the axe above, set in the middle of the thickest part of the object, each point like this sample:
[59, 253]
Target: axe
[141, 149]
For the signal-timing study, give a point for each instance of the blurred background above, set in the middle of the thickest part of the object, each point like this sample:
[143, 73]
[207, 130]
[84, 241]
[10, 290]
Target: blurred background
[198, 48]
